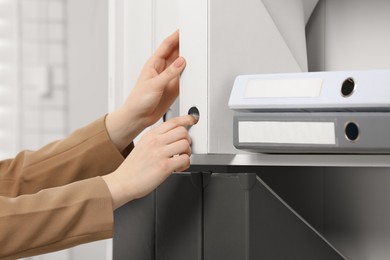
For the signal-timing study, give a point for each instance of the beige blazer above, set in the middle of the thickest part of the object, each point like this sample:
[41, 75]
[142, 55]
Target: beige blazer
[53, 199]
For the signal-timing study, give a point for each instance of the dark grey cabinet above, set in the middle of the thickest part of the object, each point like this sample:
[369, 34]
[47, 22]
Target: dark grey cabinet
[179, 218]
[134, 230]
[215, 216]
[167, 224]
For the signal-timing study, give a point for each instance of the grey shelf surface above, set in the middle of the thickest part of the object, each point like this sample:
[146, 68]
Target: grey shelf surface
[321, 160]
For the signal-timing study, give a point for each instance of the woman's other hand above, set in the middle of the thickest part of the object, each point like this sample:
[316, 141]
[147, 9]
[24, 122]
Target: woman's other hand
[160, 151]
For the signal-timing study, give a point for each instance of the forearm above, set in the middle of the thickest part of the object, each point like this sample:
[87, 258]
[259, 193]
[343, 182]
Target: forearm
[55, 219]
[86, 153]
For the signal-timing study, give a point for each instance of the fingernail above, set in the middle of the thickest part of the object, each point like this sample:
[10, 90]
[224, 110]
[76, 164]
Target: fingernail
[194, 112]
[179, 62]
[196, 117]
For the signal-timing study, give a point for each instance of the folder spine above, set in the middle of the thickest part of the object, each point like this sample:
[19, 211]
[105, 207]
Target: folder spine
[337, 91]
[334, 132]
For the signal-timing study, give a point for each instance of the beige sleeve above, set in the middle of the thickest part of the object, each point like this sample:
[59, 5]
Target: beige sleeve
[86, 153]
[54, 219]
[52, 199]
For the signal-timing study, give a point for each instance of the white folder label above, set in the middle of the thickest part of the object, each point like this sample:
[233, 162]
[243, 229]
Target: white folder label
[284, 88]
[319, 133]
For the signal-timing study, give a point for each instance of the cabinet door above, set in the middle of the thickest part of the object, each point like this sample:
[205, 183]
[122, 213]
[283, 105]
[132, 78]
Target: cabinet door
[164, 225]
[179, 218]
[134, 230]
[136, 28]
[245, 219]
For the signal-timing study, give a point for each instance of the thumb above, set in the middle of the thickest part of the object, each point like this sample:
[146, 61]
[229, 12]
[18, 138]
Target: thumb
[171, 72]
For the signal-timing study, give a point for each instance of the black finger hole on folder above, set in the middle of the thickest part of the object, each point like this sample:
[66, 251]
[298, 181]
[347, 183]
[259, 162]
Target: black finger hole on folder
[194, 112]
[348, 87]
[352, 131]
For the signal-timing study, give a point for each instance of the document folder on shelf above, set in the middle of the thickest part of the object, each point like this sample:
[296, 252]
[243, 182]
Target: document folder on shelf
[314, 112]
[313, 91]
[320, 132]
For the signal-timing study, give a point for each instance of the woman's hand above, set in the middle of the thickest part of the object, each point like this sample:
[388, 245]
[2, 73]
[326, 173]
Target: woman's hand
[158, 84]
[159, 152]
[155, 91]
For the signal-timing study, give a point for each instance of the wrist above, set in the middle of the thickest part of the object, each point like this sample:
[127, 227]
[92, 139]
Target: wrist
[122, 128]
[119, 194]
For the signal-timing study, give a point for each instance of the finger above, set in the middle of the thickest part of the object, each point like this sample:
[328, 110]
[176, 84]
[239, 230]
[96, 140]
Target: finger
[172, 57]
[177, 148]
[169, 95]
[172, 72]
[175, 135]
[180, 163]
[159, 64]
[187, 120]
[166, 53]
[168, 46]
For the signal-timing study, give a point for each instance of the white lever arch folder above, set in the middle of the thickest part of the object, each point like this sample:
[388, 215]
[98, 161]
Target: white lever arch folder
[313, 91]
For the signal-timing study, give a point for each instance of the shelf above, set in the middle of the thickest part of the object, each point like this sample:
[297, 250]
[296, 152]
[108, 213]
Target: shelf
[321, 160]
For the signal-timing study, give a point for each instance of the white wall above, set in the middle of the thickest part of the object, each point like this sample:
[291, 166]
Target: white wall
[87, 35]
[88, 79]
[88, 60]
[352, 35]
[9, 125]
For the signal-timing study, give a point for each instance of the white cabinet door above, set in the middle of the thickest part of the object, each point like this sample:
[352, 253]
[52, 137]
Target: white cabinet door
[136, 29]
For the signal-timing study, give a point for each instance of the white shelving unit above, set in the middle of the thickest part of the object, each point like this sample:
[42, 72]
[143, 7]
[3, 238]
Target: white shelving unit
[350, 194]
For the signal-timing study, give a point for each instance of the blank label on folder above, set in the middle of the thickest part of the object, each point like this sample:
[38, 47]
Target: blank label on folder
[319, 133]
[284, 88]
